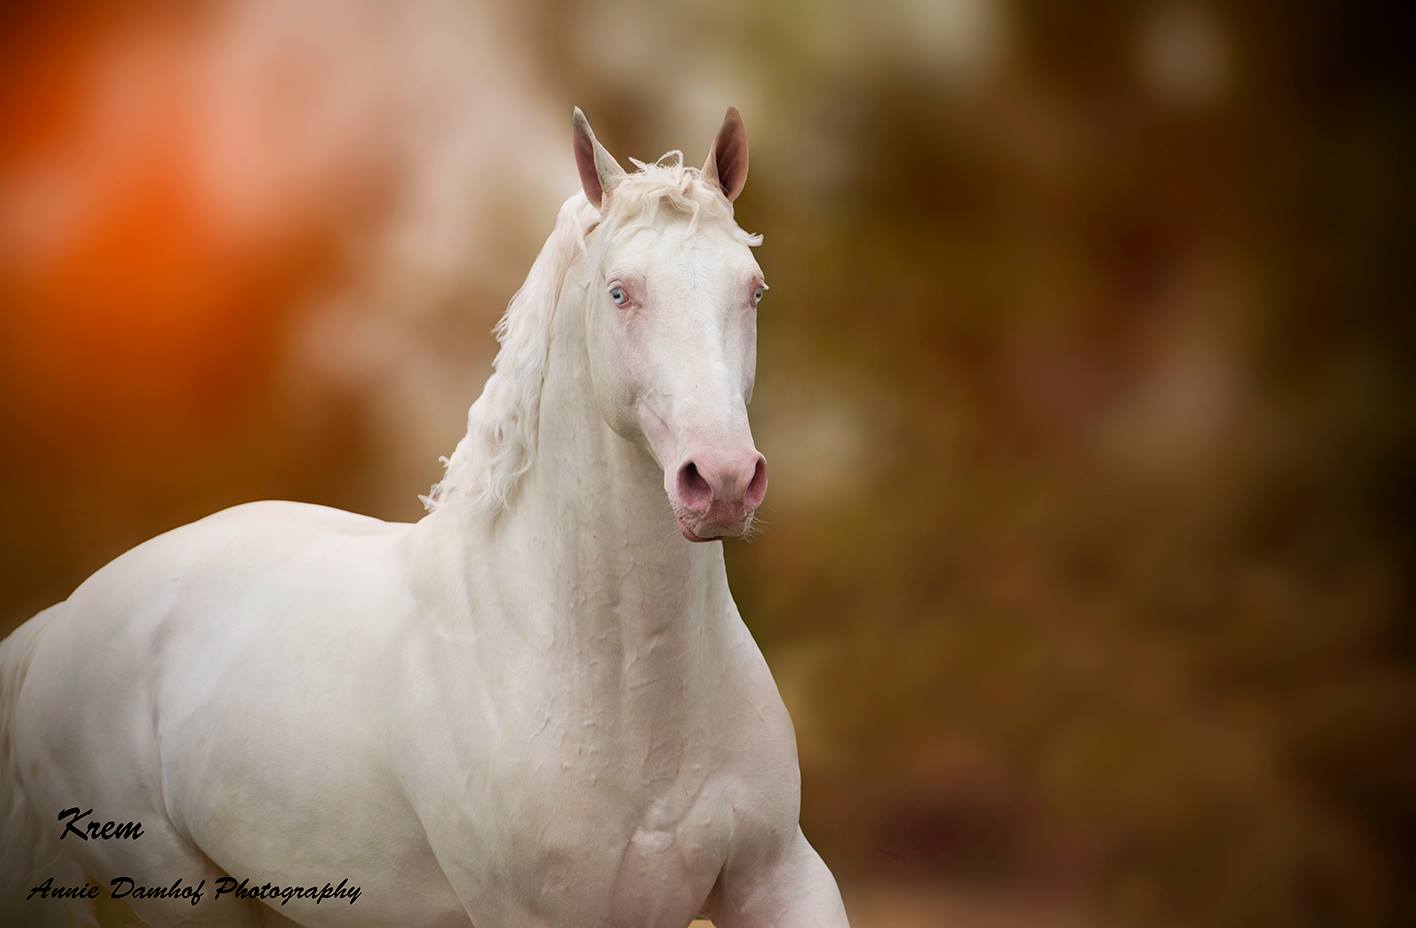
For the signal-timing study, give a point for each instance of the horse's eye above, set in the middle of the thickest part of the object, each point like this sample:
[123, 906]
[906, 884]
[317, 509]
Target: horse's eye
[757, 294]
[619, 296]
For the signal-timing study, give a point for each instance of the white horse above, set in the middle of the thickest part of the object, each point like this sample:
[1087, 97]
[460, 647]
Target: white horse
[537, 706]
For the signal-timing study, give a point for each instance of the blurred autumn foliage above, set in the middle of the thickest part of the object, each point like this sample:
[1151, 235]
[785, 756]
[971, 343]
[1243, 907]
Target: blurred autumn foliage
[1083, 379]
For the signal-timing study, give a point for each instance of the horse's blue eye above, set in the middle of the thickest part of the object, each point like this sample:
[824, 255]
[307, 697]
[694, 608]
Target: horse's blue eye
[757, 295]
[619, 296]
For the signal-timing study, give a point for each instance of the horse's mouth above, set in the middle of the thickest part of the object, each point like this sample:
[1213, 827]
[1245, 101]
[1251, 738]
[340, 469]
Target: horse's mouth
[713, 532]
[688, 532]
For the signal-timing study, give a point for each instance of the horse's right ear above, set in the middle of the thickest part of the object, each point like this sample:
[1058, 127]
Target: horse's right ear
[599, 171]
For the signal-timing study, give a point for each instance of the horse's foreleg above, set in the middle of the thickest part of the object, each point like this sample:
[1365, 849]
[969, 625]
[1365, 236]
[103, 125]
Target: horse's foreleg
[792, 890]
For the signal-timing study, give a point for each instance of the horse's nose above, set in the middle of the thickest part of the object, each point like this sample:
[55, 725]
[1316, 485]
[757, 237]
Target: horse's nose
[723, 487]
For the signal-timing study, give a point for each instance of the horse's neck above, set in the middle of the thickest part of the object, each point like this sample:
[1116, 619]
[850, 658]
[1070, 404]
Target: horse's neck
[588, 564]
[596, 502]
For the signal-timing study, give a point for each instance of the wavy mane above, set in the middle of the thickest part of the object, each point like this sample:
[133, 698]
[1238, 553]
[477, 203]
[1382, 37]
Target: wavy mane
[499, 447]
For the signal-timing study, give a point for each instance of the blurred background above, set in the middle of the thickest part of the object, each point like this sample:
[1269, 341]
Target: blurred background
[1082, 377]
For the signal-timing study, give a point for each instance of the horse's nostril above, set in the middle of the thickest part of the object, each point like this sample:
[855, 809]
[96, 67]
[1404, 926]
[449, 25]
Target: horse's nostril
[757, 486]
[693, 491]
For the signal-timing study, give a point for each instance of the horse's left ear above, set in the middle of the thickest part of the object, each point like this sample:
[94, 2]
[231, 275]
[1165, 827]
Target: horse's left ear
[727, 159]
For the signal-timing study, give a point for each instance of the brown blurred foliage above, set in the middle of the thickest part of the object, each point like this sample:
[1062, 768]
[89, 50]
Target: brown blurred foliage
[1082, 377]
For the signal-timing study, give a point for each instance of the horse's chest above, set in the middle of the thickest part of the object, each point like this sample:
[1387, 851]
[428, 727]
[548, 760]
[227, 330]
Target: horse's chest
[617, 807]
[651, 836]
[609, 831]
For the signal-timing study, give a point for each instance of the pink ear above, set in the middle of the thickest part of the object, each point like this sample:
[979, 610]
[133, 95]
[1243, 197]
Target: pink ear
[727, 159]
[599, 171]
[584, 144]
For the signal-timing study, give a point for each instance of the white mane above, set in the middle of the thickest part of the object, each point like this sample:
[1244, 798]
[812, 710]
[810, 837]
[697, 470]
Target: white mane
[500, 443]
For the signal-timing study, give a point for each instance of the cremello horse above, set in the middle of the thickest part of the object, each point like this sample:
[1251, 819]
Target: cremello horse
[537, 706]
